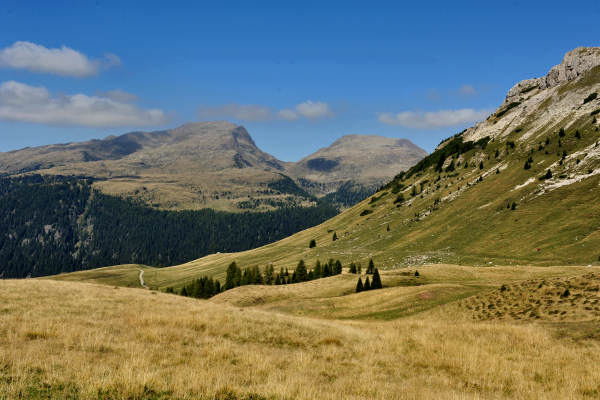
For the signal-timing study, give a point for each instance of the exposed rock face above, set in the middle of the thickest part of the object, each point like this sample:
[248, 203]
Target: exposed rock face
[215, 165]
[555, 100]
[574, 63]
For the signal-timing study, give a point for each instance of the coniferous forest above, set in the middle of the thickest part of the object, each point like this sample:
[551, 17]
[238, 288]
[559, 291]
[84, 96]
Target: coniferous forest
[53, 224]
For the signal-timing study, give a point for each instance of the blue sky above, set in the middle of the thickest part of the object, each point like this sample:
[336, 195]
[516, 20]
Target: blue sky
[297, 75]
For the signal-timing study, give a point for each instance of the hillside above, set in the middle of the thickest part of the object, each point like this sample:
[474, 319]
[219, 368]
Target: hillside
[212, 165]
[479, 200]
[67, 225]
[303, 341]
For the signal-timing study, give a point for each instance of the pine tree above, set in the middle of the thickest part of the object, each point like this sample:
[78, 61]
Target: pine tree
[317, 271]
[352, 268]
[337, 268]
[376, 284]
[334, 236]
[367, 285]
[300, 272]
[480, 164]
[269, 273]
[417, 274]
[183, 292]
[359, 285]
[371, 266]
[231, 276]
[312, 243]
[359, 268]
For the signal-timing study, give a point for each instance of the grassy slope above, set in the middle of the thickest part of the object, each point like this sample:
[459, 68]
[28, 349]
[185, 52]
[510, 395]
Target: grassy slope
[80, 340]
[469, 225]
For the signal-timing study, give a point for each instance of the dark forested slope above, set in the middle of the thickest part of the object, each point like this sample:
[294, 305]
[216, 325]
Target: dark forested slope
[56, 224]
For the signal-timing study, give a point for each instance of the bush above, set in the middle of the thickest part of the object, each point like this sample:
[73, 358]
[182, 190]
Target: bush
[591, 97]
[365, 212]
[313, 243]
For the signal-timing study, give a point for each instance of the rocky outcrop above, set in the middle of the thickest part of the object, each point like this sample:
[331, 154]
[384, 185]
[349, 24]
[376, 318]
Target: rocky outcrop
[551, 102]
[574, 64]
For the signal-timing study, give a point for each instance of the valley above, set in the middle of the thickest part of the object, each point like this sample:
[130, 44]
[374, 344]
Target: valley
[180, 260]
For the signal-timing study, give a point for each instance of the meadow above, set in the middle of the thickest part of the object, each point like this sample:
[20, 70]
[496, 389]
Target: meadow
[416, 338]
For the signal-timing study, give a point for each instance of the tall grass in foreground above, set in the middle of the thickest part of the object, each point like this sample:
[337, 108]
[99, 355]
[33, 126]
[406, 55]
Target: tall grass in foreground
[74, 340]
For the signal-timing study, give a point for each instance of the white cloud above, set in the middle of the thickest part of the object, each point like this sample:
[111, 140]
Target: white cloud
[60, 61]
[433, 119]
[467, 90]
[119, 95]
[307, 109]
[255, 112]
[246, 112]
[314, 110]
[288, 115]
[24, 103]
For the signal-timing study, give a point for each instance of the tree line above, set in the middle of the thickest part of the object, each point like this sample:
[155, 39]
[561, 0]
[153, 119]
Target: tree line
[205, 287]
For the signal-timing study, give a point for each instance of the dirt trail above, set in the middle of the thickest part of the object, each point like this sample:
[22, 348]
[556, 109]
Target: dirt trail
[142, 279]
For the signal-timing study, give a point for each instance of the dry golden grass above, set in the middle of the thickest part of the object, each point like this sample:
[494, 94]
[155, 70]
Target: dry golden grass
[556, 299]
[79, 340]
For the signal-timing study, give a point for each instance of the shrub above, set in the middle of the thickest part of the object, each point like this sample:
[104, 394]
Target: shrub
[561, 132]
[513, 206]
[334, 238]
[313, 243]
[577, 134]
[365, 212]
[591, 97]
[399, 199]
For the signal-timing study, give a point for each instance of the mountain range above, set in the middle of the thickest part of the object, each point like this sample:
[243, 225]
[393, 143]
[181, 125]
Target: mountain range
[218, 165]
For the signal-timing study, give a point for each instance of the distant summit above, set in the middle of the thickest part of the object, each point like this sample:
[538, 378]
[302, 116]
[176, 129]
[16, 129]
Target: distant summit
[366, 160]
[218, 165]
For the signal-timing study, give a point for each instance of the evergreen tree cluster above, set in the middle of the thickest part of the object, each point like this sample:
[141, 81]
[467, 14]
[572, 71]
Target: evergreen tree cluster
[202, 288]
[235, 276]
[372, 284]
[54, 224]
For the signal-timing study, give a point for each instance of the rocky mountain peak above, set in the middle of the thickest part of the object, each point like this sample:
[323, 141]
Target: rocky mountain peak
[574, 63]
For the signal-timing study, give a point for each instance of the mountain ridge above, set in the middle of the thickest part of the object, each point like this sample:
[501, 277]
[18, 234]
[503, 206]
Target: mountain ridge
[201, 165]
